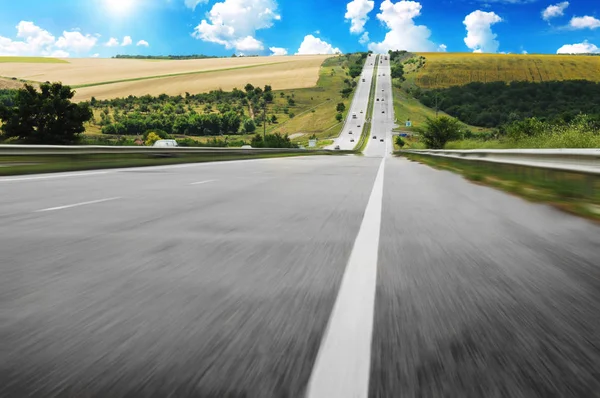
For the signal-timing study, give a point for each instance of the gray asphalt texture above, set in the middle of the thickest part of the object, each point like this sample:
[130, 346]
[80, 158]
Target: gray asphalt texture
[482, 294]
[224, 289]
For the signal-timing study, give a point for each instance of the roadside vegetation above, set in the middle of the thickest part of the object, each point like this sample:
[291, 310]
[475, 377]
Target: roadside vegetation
[572, 192]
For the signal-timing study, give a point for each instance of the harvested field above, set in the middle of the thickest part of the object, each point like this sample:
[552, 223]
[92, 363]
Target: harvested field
[10, 84]
[443, 70]
[110, 78]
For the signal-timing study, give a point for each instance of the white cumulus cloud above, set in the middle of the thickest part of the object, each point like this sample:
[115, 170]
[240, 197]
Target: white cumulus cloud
[127, 41]
[143, 43]
[357, 12]
[579, 48]
[555, 10]
[364, 39]
[95, 55]
[112, 42]
[314, 45]
[32, 40]
[233, 23]
[403, 33]
[585, 22]
[248, 44]
[442, 48]
[480, 37]
[278, 51]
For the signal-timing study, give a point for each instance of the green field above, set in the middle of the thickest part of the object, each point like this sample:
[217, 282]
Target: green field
[32, 60]
[443, 70]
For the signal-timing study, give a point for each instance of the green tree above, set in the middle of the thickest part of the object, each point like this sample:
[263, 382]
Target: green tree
[230, 122]
[438, 131]
[399, 141]
[249, 126]
[273, 119]
[249, 87]
[339, 117]
[340, 107]
[45, 117]
[397, 72]
[152, 138]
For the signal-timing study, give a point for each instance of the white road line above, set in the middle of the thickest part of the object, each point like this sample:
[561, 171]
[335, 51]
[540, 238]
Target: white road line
[52, 176]
[77, 205]
[202, 182]
[344, 359]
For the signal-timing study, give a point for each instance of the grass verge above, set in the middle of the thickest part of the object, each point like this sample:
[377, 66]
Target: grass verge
[20, 165]
[366, 129]
[572, 192]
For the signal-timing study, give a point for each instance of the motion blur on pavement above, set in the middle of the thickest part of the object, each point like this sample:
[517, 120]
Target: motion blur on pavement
[219, 280]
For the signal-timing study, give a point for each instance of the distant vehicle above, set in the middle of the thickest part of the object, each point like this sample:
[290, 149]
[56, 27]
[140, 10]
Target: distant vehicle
[354, 115]
[337, 148]
[382, 111]
[361, 111]
[363, 80]
[382, 99]
[246, 146]
[352, 140]
[165, 143]
[384, 74]
[381, 140]
[350, 132]
[374, 137]
[358, 125]
[377, 99]
[382, 90]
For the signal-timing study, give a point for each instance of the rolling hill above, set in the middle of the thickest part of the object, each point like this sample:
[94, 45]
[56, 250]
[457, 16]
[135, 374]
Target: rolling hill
[442, 70]
[111, 78]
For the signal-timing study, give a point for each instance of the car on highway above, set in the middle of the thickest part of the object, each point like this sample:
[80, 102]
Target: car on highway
[246, 146]
[382, 111]
[361, 111]
[377, 99]
[350, 132]
[374, 137]
[352, 140]
[382, 99]
[337, 148]
[165, 144]
[358, 125]
[381, 139]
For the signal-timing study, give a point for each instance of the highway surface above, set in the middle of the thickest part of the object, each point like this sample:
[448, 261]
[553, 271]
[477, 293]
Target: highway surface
[383, 112]
[325, 276]
[219, 280]
[352, 129]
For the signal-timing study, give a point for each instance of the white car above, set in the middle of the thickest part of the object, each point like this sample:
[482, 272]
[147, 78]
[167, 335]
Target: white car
[166, 143]
[246, 146]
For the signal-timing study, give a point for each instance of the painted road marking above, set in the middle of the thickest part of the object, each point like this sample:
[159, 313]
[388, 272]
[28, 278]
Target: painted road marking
[77, 205]
[52, 176]
[202, 182]
[344, 359]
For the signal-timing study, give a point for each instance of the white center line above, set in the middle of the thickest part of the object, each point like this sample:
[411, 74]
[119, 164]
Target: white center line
[202, 182]
[77, 205]
[344, 359]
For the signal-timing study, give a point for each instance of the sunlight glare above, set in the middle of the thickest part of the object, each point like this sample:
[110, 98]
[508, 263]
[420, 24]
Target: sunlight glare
[120, 7]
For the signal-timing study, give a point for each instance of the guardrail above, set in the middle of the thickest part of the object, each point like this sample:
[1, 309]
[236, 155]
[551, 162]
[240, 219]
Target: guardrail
[50, 150]
[586, 161]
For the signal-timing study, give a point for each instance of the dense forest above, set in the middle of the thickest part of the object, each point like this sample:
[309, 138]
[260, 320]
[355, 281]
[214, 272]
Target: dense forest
[498, 103]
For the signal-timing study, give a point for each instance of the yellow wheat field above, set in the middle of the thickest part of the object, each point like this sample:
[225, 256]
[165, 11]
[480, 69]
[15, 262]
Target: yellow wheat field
[193, 76]
[452, 69]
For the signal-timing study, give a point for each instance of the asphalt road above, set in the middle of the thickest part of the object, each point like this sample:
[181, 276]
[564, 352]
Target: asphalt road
[351, 132]
[218, 280]
[383, 113]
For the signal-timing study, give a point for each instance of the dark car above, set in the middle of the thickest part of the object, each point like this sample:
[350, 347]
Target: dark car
[374, 137]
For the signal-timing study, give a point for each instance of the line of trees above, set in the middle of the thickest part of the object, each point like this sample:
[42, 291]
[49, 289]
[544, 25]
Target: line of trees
[495, 104]
[44, 116]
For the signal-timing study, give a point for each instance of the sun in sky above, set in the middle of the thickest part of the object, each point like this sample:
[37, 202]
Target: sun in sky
[120, 7]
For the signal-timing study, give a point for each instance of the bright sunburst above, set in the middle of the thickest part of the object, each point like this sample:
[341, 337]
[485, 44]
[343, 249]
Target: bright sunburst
[120, 7]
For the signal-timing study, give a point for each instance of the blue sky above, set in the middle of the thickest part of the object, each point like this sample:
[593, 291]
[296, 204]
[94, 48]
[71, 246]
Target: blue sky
[105, 28]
